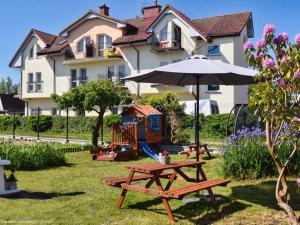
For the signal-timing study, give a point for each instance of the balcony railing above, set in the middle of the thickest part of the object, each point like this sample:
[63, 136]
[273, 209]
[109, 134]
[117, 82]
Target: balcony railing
[94, 51]
[33, 87]
[166, 41]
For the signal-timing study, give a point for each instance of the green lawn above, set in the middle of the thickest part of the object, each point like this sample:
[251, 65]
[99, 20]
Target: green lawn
[75, 194]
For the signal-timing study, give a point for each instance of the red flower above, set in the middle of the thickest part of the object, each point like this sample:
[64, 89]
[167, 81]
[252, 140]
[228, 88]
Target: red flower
[166, 152]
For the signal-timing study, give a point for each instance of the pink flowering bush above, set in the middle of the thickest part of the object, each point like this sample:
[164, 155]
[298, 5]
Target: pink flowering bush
[276, 99]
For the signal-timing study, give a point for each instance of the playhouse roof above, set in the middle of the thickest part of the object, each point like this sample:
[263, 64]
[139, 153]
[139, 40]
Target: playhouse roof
[143, 110]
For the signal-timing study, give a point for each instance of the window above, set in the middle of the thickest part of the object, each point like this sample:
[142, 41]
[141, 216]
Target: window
[164, 34]
[81, 45]
[31, 53]
[214, 109]
[104, 42]
[155, 122]
[110, 72]
[122, 73]
[163, 64]
[35, 111]
[213, 50]
[83, 76]
[30, 83]
[213, 87]
[54, 112]
[38, 82]
[73, 78]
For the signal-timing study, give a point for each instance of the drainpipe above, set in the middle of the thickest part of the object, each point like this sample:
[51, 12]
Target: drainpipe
[54, 74]
[137, 65]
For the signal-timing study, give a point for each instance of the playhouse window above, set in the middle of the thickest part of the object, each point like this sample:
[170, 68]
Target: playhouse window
[155, 123]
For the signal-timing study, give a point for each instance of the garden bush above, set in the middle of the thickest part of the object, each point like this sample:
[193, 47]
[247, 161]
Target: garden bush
[33, 157]
[246, 156]
[43, 123]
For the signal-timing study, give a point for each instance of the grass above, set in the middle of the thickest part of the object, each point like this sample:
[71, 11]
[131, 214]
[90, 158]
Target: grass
[75, 194]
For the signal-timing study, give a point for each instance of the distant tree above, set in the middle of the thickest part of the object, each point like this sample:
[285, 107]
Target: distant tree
[97, 96]
[7, 86]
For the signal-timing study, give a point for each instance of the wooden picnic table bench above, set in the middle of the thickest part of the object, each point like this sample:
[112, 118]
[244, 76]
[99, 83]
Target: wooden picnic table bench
[153, 172]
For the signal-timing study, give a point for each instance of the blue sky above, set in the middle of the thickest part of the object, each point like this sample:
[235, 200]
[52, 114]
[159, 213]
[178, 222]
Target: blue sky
[17, 17]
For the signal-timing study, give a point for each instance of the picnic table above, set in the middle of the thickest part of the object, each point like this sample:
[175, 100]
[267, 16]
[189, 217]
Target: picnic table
[154, 172]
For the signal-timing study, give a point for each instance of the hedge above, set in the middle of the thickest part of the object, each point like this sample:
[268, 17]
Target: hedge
[210, 126]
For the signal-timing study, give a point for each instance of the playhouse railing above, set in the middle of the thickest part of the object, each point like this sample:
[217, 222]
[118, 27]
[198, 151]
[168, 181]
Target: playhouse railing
[127, 133]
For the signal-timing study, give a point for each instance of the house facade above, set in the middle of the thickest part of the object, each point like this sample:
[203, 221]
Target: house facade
[98, 46]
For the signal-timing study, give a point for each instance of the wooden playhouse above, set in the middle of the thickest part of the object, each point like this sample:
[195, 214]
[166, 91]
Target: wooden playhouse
[140, 123]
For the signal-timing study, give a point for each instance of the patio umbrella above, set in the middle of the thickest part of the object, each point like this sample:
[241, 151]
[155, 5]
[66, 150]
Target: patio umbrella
[197, 70]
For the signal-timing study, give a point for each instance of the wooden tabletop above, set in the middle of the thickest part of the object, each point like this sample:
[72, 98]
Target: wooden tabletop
[156, 167]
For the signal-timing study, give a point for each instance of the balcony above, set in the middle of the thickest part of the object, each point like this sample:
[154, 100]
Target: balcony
[168, 41]
[92, 53]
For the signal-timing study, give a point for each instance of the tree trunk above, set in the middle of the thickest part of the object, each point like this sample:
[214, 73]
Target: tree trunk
[96, 130]
[282, 191]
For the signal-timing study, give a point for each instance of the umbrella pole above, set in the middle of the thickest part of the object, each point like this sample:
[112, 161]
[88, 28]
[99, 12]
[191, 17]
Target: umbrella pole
[197, 136]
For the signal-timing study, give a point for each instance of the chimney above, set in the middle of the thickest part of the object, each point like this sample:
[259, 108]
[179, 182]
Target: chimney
[151, 11]
[104, 10]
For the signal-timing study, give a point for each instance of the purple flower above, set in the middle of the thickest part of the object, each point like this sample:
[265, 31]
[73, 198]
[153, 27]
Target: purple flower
[268, 63]
[297, 74]
[248, 45]
[260, 55]
[297, 39]
[269, 28]
[261, 43]
[298, 181]
[284, 36]
[281, 82]
[277, 40]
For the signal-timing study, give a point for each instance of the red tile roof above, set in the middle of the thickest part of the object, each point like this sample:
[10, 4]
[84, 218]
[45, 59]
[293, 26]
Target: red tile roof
[231, 24]
[57, 46]
[45, 37]
[139, 34]
[222, 25]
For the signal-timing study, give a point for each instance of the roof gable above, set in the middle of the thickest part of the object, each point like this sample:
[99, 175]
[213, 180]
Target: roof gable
[46, 38]
[91, 15]
[170, 9]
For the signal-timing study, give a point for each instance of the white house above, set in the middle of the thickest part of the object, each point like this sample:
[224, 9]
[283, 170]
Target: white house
[98, 46]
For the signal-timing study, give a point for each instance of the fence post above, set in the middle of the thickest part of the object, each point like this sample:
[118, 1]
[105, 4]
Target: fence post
[14, 124]
[67, 126]
[38, 125]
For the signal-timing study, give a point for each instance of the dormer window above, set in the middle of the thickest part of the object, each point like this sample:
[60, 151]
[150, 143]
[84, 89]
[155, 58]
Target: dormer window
[104, 42]
[82, 44]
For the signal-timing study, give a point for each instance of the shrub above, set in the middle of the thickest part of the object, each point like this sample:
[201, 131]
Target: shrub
[44, 123]
[215, 125]
[33, 157]
[110, 119]
[247, 156]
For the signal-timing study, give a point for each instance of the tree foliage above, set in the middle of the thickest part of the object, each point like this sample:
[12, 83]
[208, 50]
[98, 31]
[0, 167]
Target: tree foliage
[173, 113]
[97, 96]
[276, 99]
[7, 86]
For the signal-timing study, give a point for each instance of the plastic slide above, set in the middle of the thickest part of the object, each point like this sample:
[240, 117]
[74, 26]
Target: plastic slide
[145, 147]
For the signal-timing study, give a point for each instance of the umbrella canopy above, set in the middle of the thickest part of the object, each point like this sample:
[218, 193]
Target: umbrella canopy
[188, 71]
[197, 70]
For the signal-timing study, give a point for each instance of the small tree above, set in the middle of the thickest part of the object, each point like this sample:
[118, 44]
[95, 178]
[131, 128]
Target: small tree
[97, 96]
[276, 99]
